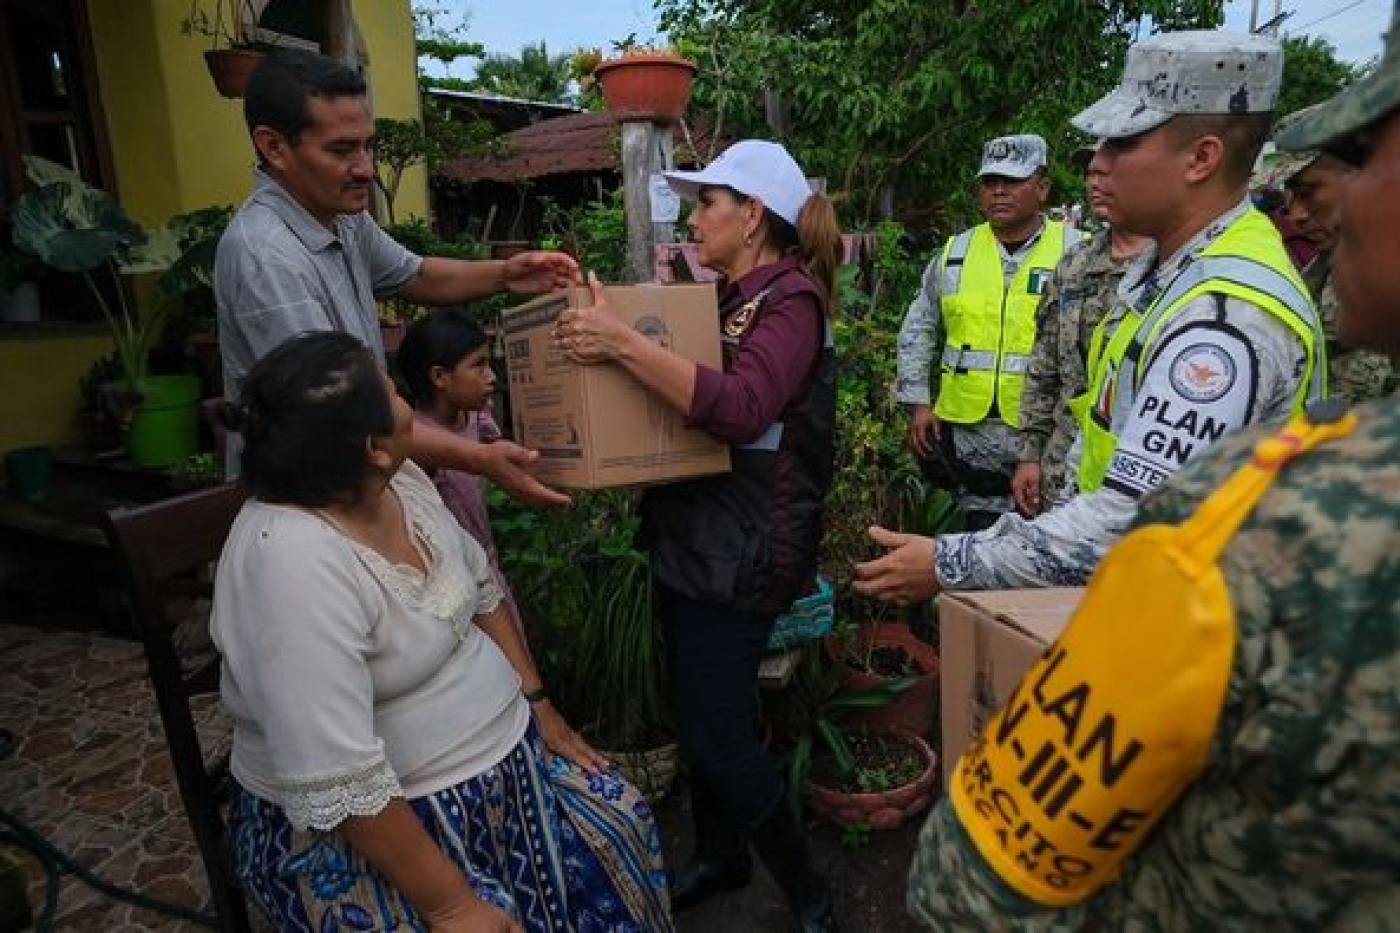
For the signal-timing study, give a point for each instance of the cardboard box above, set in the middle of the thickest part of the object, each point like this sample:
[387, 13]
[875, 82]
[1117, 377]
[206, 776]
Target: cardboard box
[988, 640]
[596, 426]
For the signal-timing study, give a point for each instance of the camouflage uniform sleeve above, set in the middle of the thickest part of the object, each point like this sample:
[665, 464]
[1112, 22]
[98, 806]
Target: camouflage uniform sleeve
[1041, 394]
[1358, 375]
[921, 338]
[1058, 548]
[1353, 374]
[951, 887]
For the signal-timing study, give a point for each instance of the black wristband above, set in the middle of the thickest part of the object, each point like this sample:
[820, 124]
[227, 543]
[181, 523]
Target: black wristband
[534, 696]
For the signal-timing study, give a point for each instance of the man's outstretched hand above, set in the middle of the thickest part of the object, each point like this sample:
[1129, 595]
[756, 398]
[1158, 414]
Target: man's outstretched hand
[508, 465]
[904, 574]
[539, 271]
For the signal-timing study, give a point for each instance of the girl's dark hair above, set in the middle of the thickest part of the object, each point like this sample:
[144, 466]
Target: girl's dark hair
[306, 411]
[442, 338]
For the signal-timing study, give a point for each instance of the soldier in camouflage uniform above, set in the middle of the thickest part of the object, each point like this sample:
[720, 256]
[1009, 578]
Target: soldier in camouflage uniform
[1313, 182]
[1293, 824]
[1080, 291]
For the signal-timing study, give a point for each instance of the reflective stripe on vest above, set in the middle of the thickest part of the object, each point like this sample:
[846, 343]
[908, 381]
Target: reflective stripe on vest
[1246, 261]
[989, 323]
[980, 359]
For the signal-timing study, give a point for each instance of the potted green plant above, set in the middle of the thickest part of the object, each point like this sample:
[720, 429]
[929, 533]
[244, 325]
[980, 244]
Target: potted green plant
[878, 652]
[867, 779]
[587, 588]
[75, 228]
[232, 55]
[886, 777]
[187, 288]
[644, 83]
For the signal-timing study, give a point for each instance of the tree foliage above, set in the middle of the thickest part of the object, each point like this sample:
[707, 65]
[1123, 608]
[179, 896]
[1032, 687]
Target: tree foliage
[1311, 73]
[534, 74]
[892, 99]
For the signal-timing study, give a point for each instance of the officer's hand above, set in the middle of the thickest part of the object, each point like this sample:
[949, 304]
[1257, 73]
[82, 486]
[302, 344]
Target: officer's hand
[1025, 487]
[924, 428]
[905, 574]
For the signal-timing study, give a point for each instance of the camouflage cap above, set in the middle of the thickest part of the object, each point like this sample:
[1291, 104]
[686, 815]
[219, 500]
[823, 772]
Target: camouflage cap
[1277, 169]
[1014, 156]
[1173, 73]
[1332, 126]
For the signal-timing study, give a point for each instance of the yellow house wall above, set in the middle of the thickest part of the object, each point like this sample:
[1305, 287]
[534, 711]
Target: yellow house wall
[176, 146]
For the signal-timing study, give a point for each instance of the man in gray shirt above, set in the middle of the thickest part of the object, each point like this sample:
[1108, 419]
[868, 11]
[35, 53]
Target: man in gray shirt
[302, 254]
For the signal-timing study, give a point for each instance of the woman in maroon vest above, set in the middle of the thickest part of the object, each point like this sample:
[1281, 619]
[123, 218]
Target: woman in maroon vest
[729, 553]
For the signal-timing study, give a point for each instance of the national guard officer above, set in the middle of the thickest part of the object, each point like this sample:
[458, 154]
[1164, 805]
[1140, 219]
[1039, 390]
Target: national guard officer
[974, 320]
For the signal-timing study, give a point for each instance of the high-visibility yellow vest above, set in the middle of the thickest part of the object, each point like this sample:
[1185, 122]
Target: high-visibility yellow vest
[1246, 261]
[990, 327]
[1116, 720]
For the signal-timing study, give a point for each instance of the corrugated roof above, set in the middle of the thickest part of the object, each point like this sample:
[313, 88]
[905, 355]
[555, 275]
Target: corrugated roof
[584, 142]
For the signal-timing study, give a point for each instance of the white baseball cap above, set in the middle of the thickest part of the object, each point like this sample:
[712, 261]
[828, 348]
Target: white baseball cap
[754, 168]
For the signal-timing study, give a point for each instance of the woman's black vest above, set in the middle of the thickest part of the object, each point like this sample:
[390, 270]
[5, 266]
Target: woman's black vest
[749, 538]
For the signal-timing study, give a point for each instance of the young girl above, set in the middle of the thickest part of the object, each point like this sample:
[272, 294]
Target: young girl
[445, 359]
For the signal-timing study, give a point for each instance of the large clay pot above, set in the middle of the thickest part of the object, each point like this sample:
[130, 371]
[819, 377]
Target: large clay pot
[916, 710]
[884, 809]
[646, 86]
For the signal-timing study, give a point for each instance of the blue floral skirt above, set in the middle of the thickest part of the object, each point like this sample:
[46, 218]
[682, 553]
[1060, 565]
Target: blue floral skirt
[555, 848]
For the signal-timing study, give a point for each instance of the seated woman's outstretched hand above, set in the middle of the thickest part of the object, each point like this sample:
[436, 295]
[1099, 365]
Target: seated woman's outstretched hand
[560, 738]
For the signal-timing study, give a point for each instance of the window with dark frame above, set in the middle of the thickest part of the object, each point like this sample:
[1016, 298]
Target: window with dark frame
[49, 107]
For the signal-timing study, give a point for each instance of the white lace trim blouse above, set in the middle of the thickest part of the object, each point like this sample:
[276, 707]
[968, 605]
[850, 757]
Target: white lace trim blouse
[352, 680]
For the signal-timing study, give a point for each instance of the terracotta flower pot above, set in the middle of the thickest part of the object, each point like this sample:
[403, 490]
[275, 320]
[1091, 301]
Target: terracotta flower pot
[883, 809]
[916, 710]
[651, 86]
[230, 69]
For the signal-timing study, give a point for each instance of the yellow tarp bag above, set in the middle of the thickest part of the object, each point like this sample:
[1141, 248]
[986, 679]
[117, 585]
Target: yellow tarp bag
[1116, 720]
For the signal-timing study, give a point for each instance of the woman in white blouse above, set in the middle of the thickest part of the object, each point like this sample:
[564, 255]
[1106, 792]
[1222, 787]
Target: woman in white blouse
[391, 729]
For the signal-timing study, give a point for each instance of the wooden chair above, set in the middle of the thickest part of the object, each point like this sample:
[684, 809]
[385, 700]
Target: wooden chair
[164, 551]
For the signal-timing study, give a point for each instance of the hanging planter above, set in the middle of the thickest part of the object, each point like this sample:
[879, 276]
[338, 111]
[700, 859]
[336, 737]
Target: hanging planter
[230, 69]
[646, 85]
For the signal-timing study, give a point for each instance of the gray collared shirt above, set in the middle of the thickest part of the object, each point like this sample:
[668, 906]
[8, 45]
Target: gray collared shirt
[279, 272]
